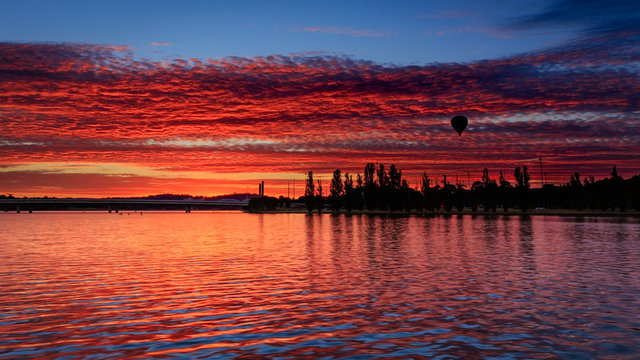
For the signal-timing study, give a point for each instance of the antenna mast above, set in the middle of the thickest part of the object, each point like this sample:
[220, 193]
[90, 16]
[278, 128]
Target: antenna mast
[541, 174]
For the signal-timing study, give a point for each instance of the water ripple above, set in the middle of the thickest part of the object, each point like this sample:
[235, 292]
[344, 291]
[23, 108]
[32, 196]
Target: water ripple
[233, 285]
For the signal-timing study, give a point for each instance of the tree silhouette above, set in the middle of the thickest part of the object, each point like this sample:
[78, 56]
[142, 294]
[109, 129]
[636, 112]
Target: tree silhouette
[349, 192]
[490, 191]
[427, 193]
[522, 185]
[383, 188]
[410, 197]
[370, 187]
[394, 193]
[336, 191]
[603, 196]
[618, 190]
[477, 194]
[448, 192]
[505, 193]
[460, 197]
[576, 192]
[309, 192]
[634, 191]
[359, 194]
[590, 199]
[319, 200]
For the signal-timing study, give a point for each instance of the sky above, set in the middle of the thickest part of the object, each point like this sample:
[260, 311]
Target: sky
[122, 98]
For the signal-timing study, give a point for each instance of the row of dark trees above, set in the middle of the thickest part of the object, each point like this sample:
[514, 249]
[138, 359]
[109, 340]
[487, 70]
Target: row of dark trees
[379, 189]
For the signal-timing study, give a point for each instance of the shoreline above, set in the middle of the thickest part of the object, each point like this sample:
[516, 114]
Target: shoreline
[546, 212]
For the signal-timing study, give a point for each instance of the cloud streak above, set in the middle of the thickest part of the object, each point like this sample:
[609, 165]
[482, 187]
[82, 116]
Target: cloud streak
[333, 30]
[591, 17]
[577, 106]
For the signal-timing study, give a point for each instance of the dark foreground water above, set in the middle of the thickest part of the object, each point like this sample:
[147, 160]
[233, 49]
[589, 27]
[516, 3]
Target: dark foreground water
[235, 285]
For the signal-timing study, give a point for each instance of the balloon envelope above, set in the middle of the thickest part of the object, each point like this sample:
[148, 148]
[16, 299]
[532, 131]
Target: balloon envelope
[459, 123]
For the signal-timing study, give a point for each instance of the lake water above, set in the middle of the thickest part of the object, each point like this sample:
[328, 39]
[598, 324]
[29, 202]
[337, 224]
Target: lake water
[290, 286]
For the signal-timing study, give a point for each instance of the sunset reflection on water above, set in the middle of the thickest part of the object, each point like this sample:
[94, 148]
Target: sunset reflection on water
[236, 285]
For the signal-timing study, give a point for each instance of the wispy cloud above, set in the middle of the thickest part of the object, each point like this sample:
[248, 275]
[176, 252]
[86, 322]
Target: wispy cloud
[345, 31]
[458, 30]
[155, 43]
[445, 14]
[591, 17]
[485, 30]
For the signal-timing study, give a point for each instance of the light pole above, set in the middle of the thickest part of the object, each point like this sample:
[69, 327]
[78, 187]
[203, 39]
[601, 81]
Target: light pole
[541, 176]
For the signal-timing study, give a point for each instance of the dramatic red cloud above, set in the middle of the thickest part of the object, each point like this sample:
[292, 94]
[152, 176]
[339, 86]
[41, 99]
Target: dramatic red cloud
[576, 107]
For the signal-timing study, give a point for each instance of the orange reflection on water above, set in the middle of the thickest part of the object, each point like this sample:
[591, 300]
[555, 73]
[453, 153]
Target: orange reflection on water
[236, 284]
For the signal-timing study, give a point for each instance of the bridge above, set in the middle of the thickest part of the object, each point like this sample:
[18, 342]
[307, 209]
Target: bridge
[114, 204]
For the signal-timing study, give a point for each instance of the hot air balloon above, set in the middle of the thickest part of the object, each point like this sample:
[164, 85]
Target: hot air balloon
[459, 123]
